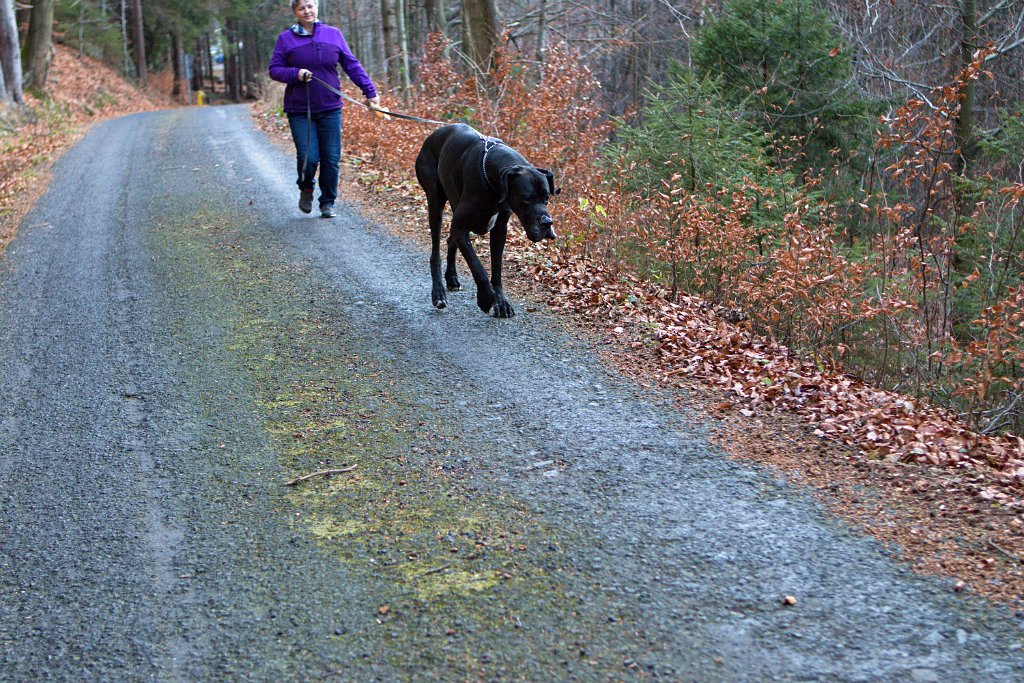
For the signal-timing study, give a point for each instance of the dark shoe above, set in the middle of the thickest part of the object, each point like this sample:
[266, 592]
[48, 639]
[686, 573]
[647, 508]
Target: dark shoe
[327, 212]
[306, 201]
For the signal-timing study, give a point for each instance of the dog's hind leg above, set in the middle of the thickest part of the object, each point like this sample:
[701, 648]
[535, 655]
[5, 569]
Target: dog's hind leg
[427, 176]
[451, 277]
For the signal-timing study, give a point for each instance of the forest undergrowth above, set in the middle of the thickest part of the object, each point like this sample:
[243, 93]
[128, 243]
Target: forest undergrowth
[82, 91]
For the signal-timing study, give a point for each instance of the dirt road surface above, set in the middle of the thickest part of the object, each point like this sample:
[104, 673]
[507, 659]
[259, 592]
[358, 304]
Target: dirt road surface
[177, 341]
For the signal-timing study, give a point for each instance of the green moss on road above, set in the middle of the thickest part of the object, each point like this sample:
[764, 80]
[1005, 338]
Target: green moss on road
[456, 572]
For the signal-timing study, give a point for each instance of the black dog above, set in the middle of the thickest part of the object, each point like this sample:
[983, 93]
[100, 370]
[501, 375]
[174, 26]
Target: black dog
[485, 181]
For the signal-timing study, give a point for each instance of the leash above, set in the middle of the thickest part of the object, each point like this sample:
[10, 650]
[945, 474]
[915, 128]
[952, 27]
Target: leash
[384, 112]
[309, 126]
[489, 144]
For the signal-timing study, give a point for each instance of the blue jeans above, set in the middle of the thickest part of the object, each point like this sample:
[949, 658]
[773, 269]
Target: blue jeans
[322, 139]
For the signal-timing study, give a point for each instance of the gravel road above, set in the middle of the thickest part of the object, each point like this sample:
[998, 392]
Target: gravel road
[177, 340]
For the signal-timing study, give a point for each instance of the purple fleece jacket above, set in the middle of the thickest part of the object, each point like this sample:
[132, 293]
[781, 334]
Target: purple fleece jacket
[320, 53]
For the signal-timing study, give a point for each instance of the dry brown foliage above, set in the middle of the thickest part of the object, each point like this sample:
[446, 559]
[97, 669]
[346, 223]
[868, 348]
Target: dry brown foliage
[937, 474]
[808, 292]
[81, 91]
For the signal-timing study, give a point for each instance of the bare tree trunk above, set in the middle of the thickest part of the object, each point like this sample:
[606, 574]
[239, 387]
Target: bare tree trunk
[479, 32]
[81, 30]
[177, 62]
[139, 42]
[241, 61]
[257, 56]
[388, 31]
[403, 44]
[226, 65]
[124, 38]
[10, 55]
[39, 44]
[250, 61]
[232, 62]
[375, 43]
[542, 27]
[208, 55]
[636, 67]
[355, 38]
[966, 139]
[198, 64]
[436, 20]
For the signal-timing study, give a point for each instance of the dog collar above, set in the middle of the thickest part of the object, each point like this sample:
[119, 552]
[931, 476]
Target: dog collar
[489, 144]
[297, 29]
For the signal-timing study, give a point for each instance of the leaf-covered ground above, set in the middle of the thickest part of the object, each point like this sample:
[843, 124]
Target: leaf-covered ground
[81, 92]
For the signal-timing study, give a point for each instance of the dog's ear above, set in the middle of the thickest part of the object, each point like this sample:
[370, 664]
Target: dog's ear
[505, 178]
[551, 181]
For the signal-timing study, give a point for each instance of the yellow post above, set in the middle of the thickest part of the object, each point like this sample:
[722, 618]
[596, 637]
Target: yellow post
[199, 97]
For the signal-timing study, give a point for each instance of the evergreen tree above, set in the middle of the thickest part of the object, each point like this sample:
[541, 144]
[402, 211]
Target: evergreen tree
[785, 63]
[686, 129]
[688, 132]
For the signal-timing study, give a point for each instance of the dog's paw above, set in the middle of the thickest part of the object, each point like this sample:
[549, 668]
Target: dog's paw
[437, 295]
[503, 309]
[485, 300]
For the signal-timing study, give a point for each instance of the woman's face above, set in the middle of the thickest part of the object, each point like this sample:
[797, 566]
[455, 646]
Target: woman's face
[305, 12]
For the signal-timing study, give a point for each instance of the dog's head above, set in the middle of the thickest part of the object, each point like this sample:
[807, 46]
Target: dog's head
[526, 190]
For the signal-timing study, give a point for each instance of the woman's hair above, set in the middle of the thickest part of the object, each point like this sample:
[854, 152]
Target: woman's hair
[293, 3]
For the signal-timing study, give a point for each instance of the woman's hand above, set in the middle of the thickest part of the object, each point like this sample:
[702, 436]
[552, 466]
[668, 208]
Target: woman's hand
[374, 104]
[305, 75]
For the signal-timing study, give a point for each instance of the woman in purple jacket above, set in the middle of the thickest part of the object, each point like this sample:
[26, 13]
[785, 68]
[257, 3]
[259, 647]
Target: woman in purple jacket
[307, 49]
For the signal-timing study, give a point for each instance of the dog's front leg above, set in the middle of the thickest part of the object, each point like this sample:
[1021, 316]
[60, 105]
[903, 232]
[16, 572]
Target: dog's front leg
[502, 308]
[438, 296]
[461, 223]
